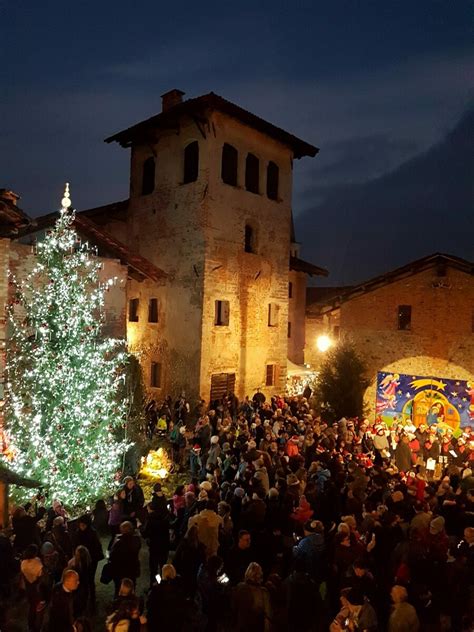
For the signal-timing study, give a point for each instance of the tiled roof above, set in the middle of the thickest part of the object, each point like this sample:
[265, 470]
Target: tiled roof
[196, 107]
[298, 265]
[104, 240]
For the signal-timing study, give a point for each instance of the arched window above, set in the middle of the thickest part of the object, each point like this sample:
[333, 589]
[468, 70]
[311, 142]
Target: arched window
[250, 239]
[230, 157]
[148, 176]
[191, 162]
[252, 168]
[272, 180]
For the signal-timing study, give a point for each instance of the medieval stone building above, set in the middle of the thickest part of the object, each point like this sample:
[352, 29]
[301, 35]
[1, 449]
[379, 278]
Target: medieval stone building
[215, 290]
[415, 321]
[210, 204]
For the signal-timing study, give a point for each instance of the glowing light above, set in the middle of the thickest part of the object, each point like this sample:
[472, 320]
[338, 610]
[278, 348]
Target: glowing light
[155, 465]
[323, 343]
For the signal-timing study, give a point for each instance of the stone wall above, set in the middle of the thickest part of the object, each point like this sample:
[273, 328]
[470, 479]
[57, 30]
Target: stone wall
[195, 233]
[296, 316]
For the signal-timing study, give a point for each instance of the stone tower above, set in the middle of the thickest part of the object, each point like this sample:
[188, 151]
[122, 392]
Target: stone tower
[210, 203]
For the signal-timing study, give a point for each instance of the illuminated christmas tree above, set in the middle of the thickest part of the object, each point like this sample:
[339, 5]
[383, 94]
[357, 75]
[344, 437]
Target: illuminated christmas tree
[62, 410]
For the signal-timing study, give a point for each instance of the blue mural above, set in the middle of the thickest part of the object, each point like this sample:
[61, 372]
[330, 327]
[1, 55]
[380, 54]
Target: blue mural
[429, 400]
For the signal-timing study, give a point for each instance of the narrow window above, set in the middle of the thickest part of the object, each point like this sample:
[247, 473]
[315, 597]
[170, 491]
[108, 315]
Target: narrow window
[153, 310]
[229, 164]
[222, 312]
[155, 375]
[133, 310]
[252, 173]
[191, 162]
[272, 181]
[270, 375]
[272, 315]
[290, 290]
[336, 331]
[289, 329]
[404, 317]
[249, 239]
[148, 176]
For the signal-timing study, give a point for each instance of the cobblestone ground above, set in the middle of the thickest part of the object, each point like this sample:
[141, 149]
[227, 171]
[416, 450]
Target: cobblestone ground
[13, 618]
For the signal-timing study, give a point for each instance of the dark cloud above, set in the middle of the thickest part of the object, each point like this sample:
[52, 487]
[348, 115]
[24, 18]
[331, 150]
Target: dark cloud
[423, 206]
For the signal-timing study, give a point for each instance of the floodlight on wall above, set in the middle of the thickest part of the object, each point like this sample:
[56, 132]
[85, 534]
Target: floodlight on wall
[323, 343]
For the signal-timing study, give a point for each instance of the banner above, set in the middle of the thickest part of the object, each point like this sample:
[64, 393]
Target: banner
[428, 400]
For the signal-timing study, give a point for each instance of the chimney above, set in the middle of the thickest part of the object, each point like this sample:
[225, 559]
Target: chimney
[170, 99]
[9, 196]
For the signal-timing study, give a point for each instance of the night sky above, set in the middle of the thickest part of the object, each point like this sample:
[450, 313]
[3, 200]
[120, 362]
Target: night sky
[379, 86]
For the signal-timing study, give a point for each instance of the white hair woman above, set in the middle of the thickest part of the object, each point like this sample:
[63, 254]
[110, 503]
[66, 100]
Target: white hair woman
[251, 602]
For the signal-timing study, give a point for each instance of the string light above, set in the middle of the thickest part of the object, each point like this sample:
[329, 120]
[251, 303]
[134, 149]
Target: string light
[62, 410]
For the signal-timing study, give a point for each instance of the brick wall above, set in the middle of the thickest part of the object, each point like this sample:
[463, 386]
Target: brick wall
[440, 342]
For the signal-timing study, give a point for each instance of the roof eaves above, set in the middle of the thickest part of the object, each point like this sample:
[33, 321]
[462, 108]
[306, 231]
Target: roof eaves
[214, 101]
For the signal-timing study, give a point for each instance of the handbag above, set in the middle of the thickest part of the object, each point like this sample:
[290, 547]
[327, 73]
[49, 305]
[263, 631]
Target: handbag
[106, 576]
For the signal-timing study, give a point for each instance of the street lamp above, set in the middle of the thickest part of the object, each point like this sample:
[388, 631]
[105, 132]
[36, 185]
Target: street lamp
[323, 343]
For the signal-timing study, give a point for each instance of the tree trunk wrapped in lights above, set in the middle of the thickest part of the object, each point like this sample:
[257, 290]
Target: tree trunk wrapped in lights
[62, 411]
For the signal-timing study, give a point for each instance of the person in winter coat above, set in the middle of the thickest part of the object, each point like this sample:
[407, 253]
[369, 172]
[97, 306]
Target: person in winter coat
[213, 454]
[188, 557]
[261, 475]
[124, 555]
[304, 601]
[208, 525]
[167, 605]
[157, 534]
[81, 563]
[61, 606]
[403, 453]
[251, 602]
[87, 536]
[403, 617]
[311, 550]
[239, 557]
[25, 530]
[134, 499]
[195, 461]
[210, 593]
[31, 571]
[302, 513]
[116, 515]
[381, 444]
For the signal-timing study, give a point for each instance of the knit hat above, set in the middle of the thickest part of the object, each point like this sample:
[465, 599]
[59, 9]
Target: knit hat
[202, 495]
[206, 486]
[273, 492]
[226, 447]
[47, 548]
[467, 472]
[197, 447]
[437, 525]
[239, 492]
[182, 430]
[215, 439]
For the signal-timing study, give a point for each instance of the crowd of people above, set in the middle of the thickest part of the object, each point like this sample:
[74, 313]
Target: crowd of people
[283, 522]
